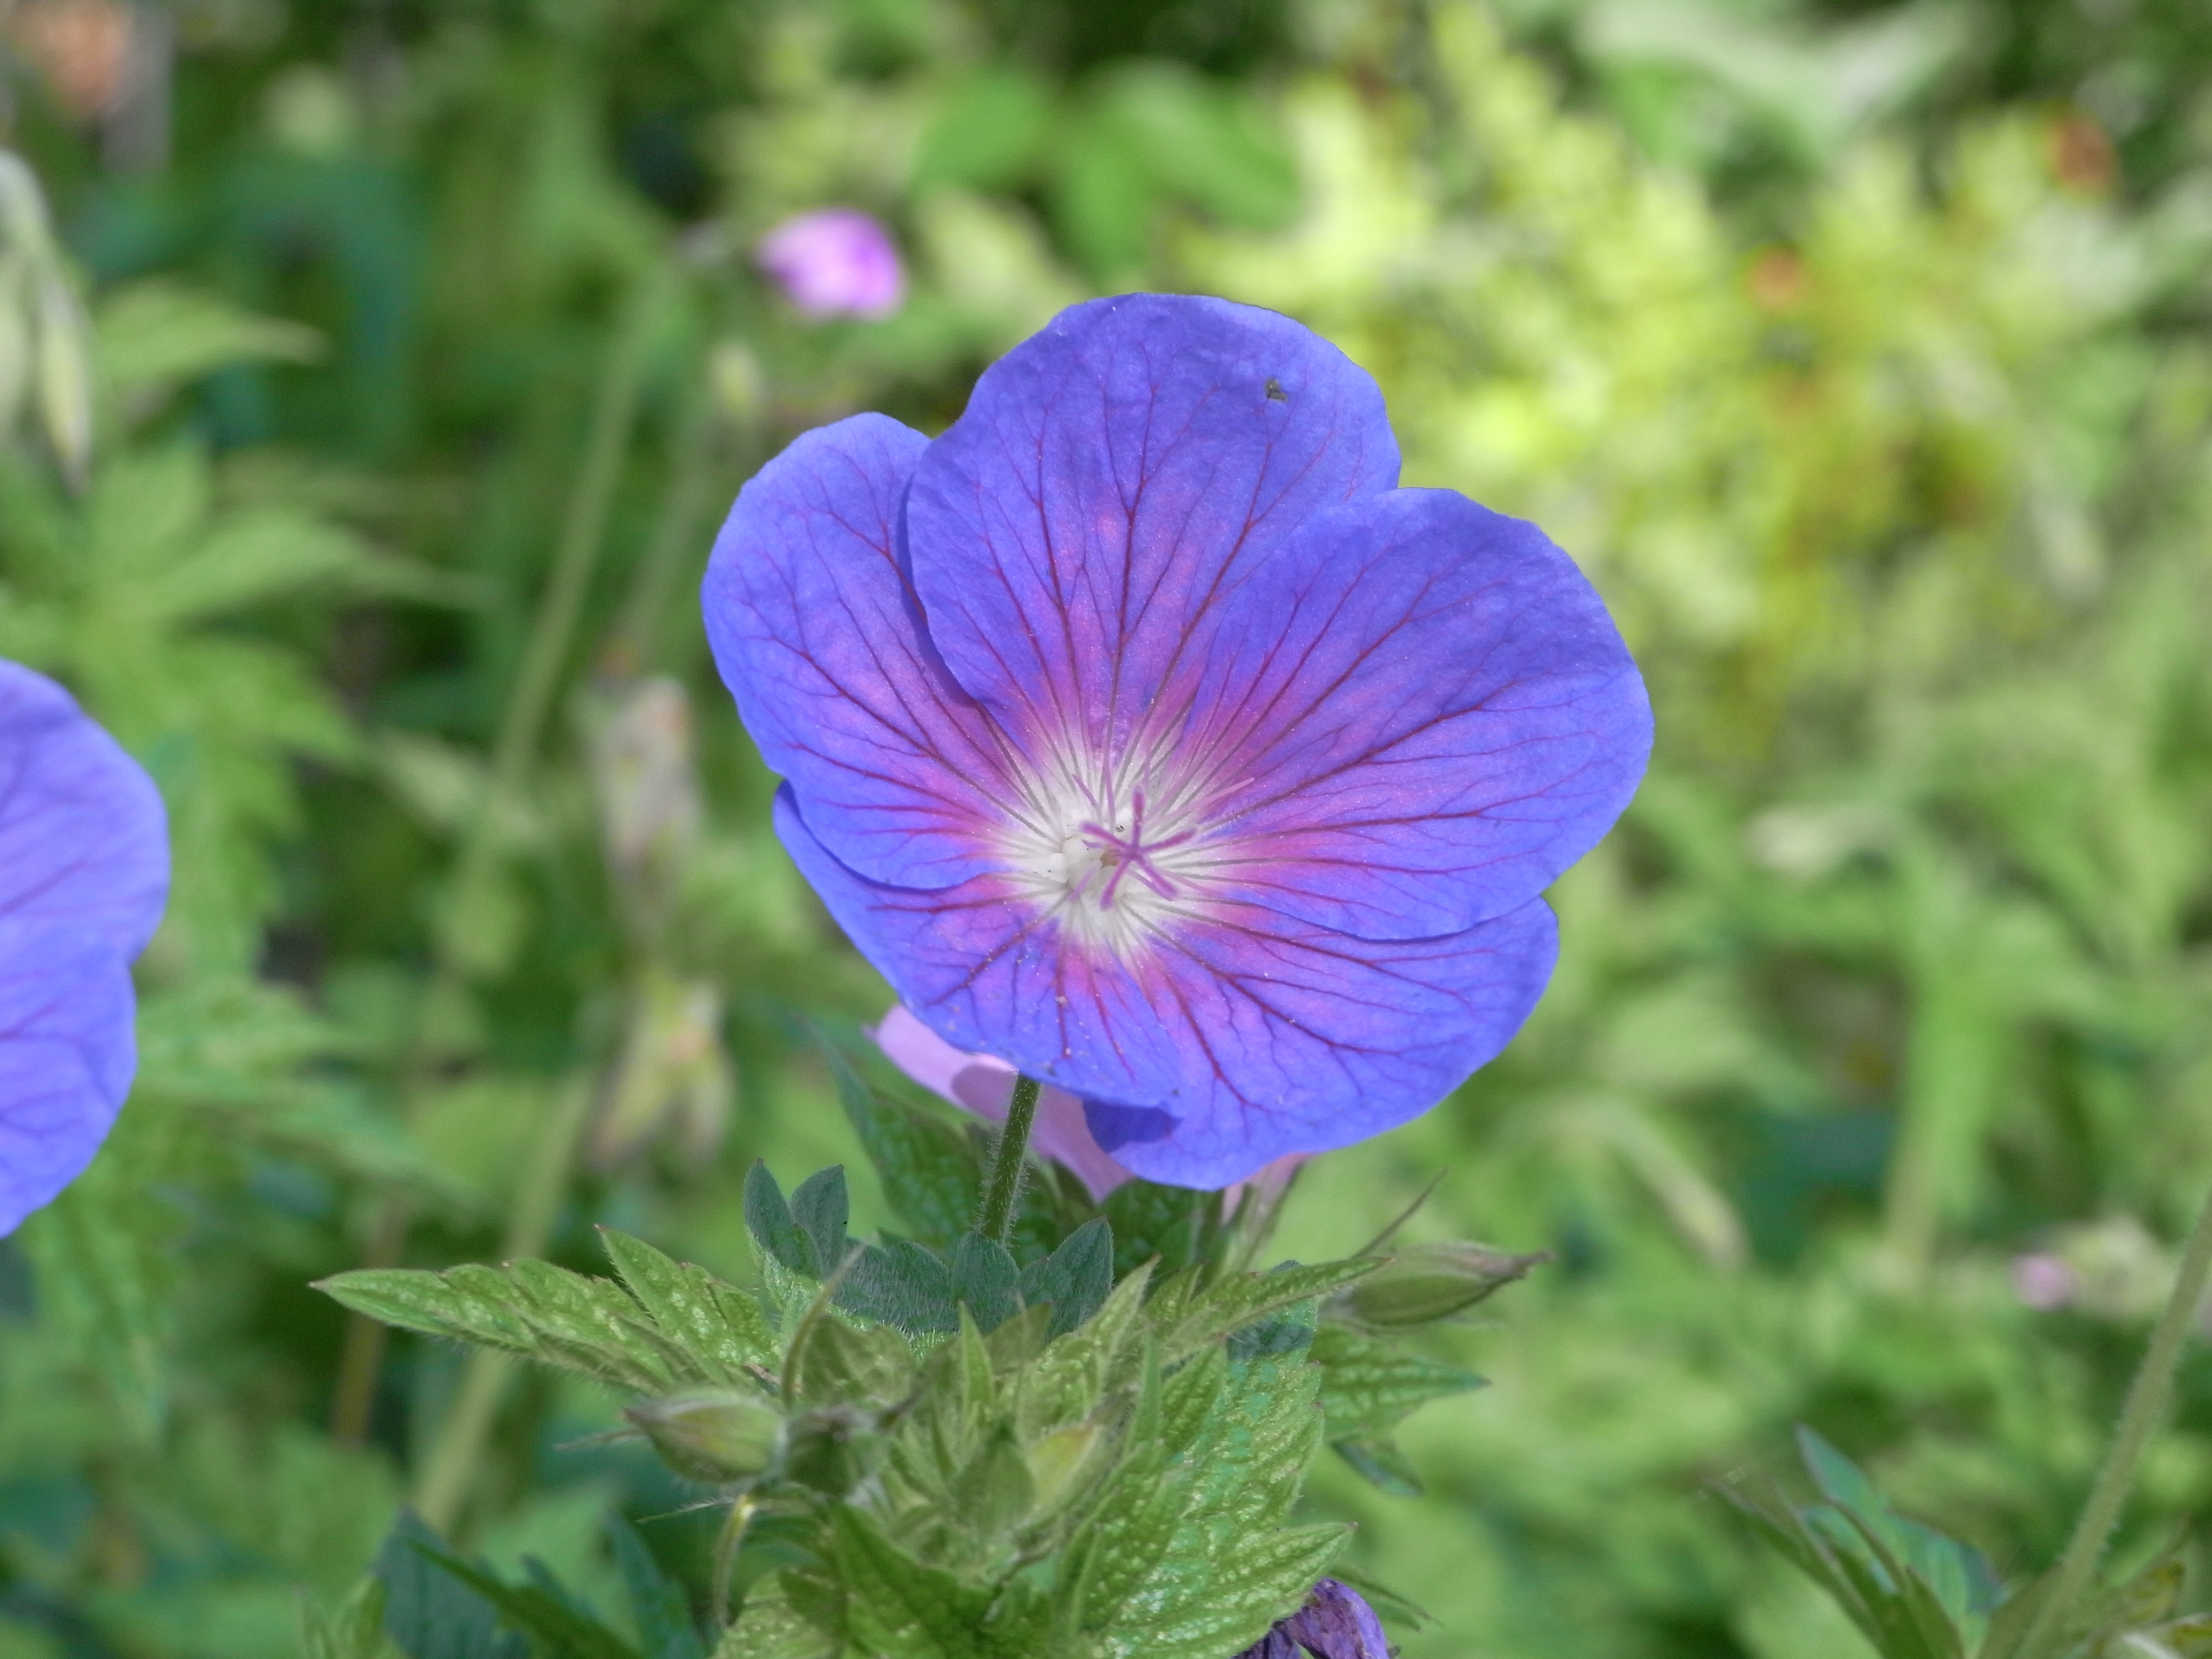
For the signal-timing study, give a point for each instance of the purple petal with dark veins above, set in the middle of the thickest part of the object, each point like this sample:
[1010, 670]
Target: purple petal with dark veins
[818, 635]
[1074, 533]
[84, 835]
[66, 1056]
[1335, 1623]
[1417, 715]
[1237, 1036]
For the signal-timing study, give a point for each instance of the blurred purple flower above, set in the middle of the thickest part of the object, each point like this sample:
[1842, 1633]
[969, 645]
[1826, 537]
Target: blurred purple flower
[1335, 1623]
[834, 262]
[1149, 739]
[2044, 1281]
[84, 872]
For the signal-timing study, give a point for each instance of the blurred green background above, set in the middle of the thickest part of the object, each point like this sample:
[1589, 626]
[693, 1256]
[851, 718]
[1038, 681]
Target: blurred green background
[1863, 353]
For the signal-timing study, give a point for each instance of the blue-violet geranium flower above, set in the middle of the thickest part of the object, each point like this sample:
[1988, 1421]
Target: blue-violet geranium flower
[1145, 735]
[1335, 1623]
[84, 872]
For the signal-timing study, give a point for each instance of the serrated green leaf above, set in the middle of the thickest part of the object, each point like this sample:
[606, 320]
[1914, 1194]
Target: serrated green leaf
[1076, 1278]
[1193, 1611]
[769, 1219]
[900, 1283]
[833, 1362]
[714, 1323]
[896, 1605]
[986, 1280]
[1190, 1311]
[822, 1211]
[772, 1628]
[543, 1312]
[1368, 1384]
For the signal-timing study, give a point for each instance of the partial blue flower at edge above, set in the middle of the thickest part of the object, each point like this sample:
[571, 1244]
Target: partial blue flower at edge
[1144, 735]
[1335, 1623]
[84, 874]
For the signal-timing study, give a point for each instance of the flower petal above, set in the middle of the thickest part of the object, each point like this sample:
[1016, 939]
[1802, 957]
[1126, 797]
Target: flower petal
[1234, 1040]
[1417, 716]
[83, 834]
[819, 637]
[67, 1054]
[985, 1085]
[1073, 533]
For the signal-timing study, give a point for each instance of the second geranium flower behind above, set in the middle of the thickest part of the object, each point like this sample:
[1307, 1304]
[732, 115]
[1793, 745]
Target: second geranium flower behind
[1145, 735]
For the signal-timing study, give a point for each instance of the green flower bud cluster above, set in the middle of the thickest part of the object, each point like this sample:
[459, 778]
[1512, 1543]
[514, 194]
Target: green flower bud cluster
[1427, 1283]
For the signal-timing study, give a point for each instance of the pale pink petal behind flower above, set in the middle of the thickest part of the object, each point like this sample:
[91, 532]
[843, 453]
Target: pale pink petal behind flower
[834, 262]
[984, 1086]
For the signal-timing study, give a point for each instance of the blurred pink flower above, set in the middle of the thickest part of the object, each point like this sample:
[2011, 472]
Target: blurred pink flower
[984, 1086]
[834, 262]
[2044, 1282]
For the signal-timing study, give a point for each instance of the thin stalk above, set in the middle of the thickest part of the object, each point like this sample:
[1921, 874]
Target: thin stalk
[633, 646]
[521, 733]
[449, 1470]
[2139, 1420]
[996, 1218]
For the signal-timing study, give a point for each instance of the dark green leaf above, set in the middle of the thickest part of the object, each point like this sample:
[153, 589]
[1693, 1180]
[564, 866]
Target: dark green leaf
[929, 1168]
[823, 1211]
[1368, 1384]
[985, 1281]
[1076, 1278]
[768, 1219]
[657, 1603]
[428, 1612]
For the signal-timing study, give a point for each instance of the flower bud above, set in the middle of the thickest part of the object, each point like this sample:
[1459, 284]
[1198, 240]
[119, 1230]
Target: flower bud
[833, 1449]
[716, 1435]
[1425, 1283]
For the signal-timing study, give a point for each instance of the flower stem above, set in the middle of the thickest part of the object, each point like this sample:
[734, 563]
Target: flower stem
[996, 1220]
[522, 727]
[2139, 1418]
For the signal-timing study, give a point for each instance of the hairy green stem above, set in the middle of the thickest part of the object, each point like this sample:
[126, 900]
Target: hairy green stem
[522, 727]
[2139, 1420]
[996, 1218]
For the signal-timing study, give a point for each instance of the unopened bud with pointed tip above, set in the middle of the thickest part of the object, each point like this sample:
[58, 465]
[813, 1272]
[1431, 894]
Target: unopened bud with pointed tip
[1427, 1283]
[721, 1435]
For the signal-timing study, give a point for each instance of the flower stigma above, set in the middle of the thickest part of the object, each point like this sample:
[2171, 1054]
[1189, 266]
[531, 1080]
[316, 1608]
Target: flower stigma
[1110, 862]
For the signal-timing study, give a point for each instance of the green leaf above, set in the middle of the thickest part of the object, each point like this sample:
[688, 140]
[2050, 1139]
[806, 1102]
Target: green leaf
[1075, 1279]
[711, 1322]
[430, 1613]
[1171, 1225]
[1228, 1604]
[904, 1285]
[769, 1219]
[541, 1609]
[1368, 1384]
[929, 1168]
[1189, 1311]
[899, 1606]
[353, 1630]
[1378, 1461]
[823, 1211]
[546, 1313]
[657, 1603]
[771, 1626]
[986, 1280]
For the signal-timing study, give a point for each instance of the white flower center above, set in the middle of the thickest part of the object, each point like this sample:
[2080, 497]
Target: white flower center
[1112, 853]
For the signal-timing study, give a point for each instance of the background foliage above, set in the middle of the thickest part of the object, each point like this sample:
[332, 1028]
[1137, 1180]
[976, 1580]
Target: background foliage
[1859, 350]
